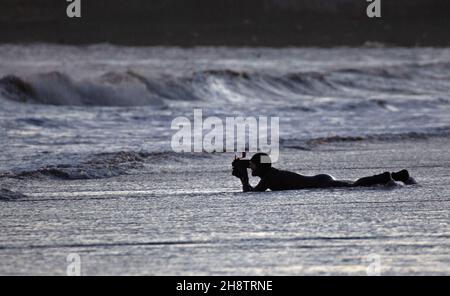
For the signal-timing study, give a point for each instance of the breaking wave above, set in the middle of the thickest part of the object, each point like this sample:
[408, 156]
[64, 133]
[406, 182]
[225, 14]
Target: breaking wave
[56, 88]
[133, 89]
[102, 165]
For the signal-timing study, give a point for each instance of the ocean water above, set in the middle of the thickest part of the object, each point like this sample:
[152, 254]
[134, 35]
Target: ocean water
[85, 137]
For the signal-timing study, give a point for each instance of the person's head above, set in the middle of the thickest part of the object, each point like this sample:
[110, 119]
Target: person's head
[259, 163]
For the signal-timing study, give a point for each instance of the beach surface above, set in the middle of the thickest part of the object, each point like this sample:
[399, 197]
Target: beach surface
[189, 217]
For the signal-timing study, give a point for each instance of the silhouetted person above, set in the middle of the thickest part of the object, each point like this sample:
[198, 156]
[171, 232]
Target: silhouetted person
[274, 179]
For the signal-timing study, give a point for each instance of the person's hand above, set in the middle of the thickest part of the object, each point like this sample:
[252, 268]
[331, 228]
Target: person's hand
[239, 170]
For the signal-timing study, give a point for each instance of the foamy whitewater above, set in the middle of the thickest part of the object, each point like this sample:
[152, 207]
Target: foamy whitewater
[87, 167]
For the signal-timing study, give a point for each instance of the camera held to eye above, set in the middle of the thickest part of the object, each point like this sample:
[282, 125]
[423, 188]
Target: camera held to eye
[240, 166]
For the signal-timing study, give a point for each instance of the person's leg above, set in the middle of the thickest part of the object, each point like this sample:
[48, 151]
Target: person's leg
[380, 179]
[326, 181]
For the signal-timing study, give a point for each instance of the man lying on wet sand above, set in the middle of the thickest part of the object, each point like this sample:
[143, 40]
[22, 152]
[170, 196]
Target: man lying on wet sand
[274, 179]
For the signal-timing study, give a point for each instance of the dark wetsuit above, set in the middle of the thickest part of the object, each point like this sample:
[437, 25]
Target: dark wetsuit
[275, 179]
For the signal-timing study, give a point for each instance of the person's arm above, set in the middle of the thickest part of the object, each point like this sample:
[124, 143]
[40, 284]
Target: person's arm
[242, 174]
[246, 187]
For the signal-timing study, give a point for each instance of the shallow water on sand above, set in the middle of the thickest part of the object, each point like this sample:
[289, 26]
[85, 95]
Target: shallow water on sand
[168, 222]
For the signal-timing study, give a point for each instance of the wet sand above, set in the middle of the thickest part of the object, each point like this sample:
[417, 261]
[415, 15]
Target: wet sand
[187, 217]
